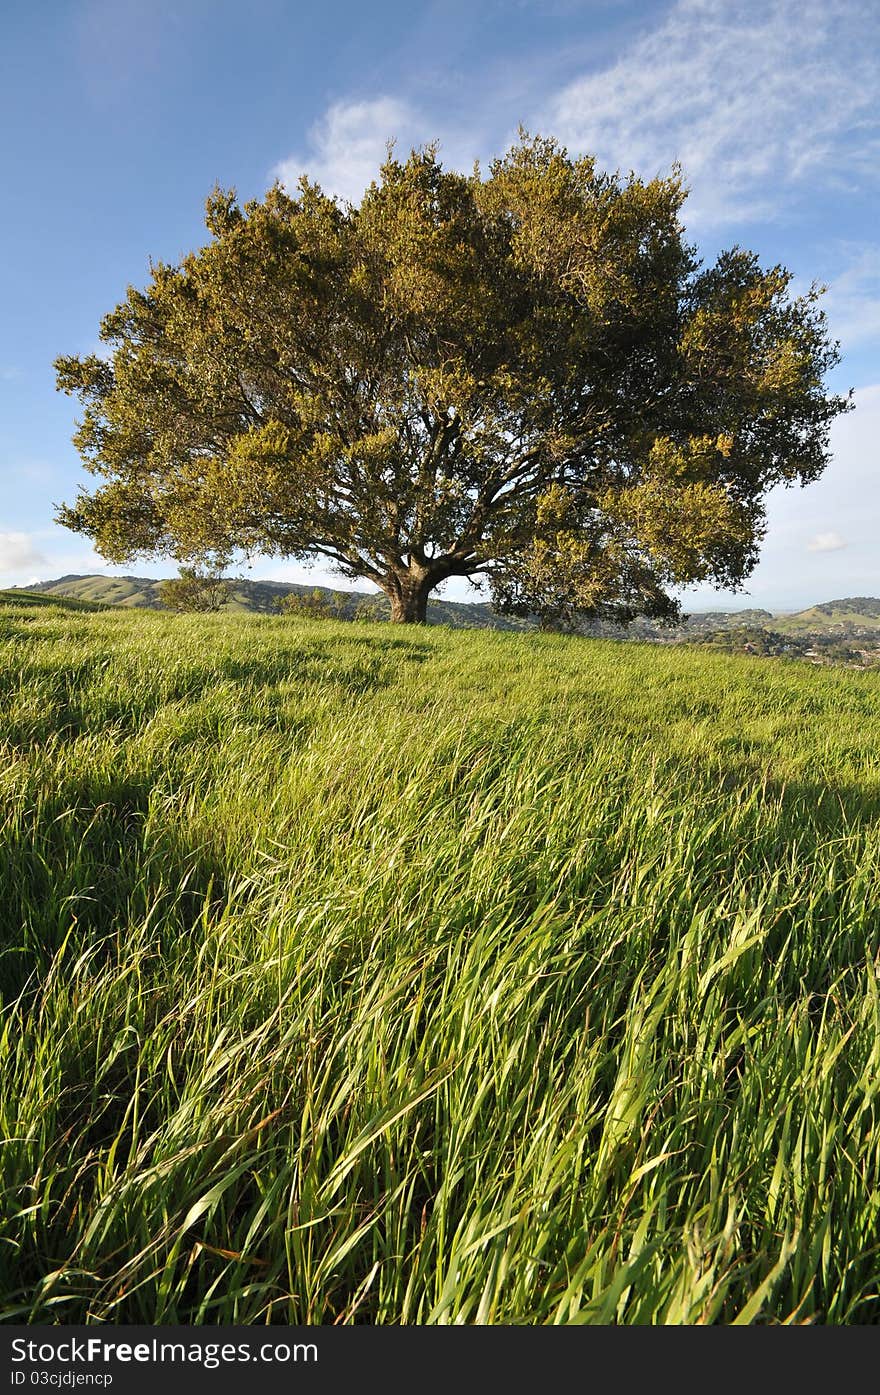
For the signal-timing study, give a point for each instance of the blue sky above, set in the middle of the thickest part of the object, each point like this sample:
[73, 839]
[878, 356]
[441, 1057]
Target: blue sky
[119, 116]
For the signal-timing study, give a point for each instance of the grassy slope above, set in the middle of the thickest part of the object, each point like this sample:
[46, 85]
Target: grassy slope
[35, 598]
[420, 976]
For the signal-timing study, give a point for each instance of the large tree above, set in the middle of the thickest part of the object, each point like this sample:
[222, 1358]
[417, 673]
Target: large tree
[525, 376]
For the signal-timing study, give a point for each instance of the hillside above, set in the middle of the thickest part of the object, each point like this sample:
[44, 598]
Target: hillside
[36, 598]
[362, 976]
[851, 615]
[262, 597]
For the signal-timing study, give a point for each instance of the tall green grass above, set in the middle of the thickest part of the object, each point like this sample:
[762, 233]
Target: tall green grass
[365, 975]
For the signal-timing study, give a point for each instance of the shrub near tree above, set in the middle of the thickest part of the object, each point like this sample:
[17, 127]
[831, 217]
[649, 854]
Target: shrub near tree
[194, 592]
[316, 604]
[524, 376]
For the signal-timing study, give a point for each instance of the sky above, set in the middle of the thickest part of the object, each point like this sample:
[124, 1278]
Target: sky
[120, 116]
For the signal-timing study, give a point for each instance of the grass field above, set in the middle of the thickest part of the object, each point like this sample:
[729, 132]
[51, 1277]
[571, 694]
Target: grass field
[367, 975]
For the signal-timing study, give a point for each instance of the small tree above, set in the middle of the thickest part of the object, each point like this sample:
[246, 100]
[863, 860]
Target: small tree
[194, 591]
[526, 377]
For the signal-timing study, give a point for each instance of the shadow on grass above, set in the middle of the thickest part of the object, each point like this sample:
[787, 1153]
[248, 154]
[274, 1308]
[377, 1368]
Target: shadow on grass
[43, 703]
[829, 808]
[84, 865]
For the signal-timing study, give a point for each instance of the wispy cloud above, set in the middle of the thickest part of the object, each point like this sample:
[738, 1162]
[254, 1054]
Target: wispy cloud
[826, 542]
[754, 99]
[121, 46]
[759, 101]
[853, 299]
[31, 471]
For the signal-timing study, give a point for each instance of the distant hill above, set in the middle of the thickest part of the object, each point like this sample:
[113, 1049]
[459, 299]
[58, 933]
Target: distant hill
[852, 605]
[847, 616]
[850, 616]
[262, 597]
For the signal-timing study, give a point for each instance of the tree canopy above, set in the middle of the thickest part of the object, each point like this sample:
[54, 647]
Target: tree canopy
[525, 376]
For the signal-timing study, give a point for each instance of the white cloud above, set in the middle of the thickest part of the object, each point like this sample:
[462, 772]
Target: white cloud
[48, 553]
[826, 542]
[347, 145]
[754, 100]
[18, 554]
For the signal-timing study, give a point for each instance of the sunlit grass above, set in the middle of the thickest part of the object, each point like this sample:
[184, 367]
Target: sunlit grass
[372, 975]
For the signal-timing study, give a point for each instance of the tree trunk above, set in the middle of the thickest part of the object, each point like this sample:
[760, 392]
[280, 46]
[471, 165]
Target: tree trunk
[408, 595]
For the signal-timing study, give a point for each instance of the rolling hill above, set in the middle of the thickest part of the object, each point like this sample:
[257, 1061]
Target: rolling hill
[847, 616]
[262, 597]
[851, 616]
